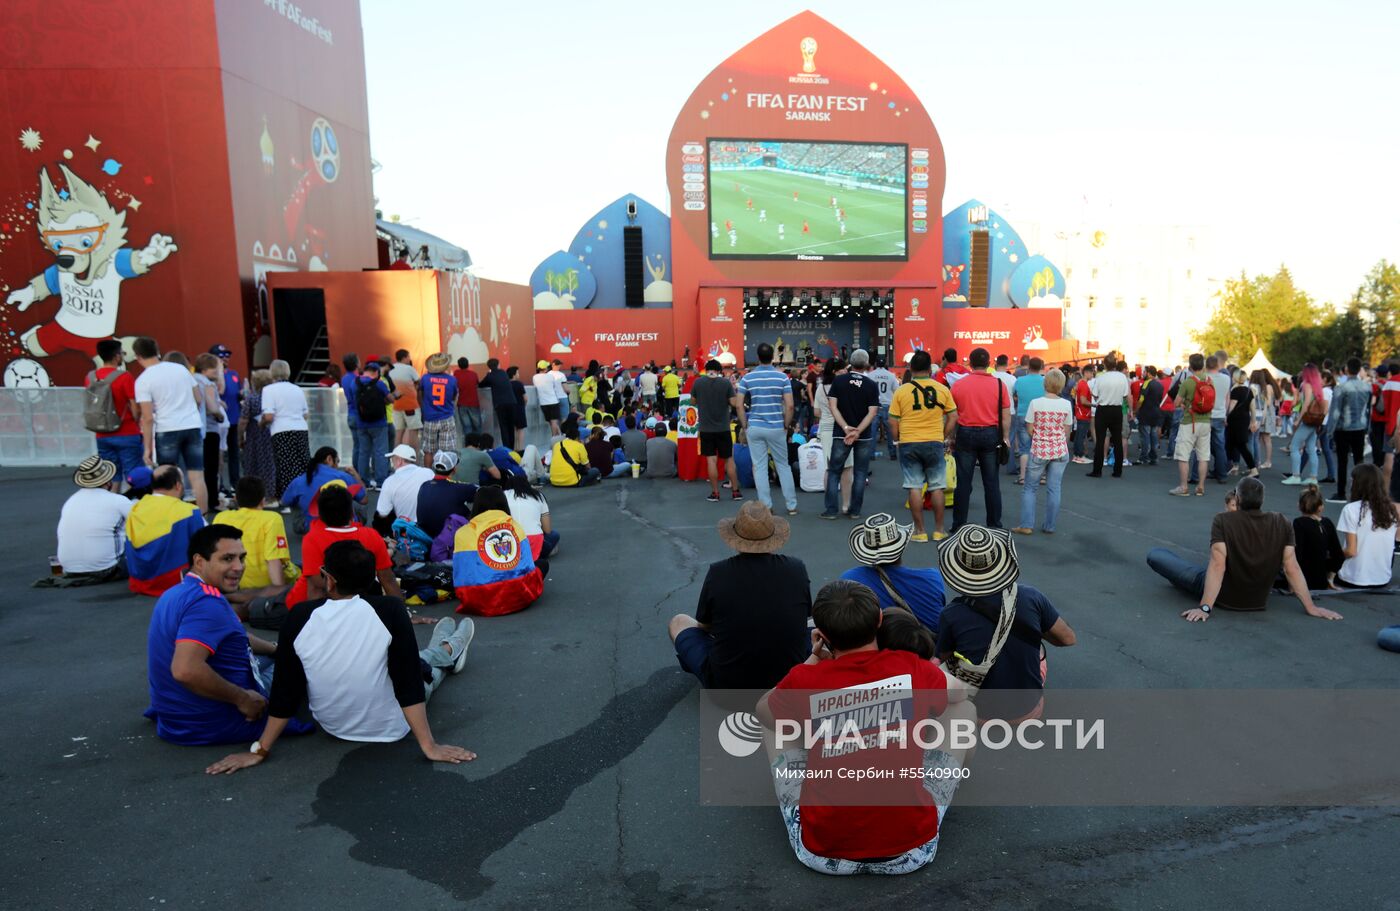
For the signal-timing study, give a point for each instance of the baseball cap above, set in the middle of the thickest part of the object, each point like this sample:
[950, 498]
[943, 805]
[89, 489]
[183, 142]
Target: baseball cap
[221, 351]
[404, 451]
[617, 365]
[444, 461]
[542, 365]
[140, 477]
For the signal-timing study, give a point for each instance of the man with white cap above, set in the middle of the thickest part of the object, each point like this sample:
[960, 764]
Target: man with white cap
[549, 388]
[878, 545]
[990, 636]
[92, 526]
[399, 495]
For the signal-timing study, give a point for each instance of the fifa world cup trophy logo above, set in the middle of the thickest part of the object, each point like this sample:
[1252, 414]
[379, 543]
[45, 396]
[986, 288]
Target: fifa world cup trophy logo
[809, 54]
[914, 307]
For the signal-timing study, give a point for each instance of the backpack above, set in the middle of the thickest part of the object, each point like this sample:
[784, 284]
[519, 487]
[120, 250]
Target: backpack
[99, 408]
[1203, 399]
[370, 402]
[1316, 412]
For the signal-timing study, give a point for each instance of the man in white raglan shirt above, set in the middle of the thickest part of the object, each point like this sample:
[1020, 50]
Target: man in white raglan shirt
[172, 430]
[399, 495]
[885, 383]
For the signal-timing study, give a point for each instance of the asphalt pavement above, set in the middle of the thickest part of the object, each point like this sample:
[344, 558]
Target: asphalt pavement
[585, 792]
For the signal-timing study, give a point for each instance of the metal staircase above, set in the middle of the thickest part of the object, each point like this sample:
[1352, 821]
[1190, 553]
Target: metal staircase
[318, 358]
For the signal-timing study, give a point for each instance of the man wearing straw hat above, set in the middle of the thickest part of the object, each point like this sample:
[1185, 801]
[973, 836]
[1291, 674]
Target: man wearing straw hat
[990, 636]
[878, 545]
[92, 528]
[439, 405]
[750, 626]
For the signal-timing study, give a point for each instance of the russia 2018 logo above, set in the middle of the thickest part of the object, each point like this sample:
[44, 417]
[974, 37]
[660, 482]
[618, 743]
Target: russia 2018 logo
[499, 548]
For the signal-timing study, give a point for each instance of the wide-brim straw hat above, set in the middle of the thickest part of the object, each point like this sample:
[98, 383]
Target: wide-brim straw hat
[979, 561]
[755, 530]
[94, 471]
[879, 540]
[438, 362]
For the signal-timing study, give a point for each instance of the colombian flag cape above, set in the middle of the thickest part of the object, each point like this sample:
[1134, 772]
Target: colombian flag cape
[158, 530]
[492, 567]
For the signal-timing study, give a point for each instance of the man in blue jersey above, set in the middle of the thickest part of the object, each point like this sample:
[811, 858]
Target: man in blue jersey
[766, 422]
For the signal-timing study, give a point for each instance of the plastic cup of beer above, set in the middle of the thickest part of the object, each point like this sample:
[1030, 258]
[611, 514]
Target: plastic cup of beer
[636, 470]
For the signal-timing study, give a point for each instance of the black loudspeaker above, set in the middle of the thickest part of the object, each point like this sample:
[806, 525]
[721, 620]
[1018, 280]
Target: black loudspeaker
[632, 266]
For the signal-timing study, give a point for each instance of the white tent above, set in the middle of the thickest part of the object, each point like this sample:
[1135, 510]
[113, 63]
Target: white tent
[1260, 362]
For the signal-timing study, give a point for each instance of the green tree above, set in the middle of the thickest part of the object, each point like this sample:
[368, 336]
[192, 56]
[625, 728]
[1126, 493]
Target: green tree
[1253, 311]
[1378, 303]
[1341, 337]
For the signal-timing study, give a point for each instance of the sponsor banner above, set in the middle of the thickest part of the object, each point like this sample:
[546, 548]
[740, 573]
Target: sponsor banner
[578, 336]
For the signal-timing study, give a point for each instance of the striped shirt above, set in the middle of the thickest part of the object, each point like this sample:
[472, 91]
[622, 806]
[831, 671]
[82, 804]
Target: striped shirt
[766, 387]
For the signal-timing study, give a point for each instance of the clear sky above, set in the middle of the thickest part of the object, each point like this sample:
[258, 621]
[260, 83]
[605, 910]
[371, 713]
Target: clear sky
[503, 126]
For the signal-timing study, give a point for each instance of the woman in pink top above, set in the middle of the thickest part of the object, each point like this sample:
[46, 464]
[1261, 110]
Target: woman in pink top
[1051, 420]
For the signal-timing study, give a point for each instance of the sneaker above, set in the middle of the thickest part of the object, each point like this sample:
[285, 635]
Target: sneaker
[466, 631]
[736, 496]
[1342, 500]
[829, 515]
[853, 516]
[1293, 480]
[725, 485]
[792, 512]
[919, 537]
[1021, 531]
[1312, 481]
[713, 498]
[1093, 474]
[939, 535]
[444, 630]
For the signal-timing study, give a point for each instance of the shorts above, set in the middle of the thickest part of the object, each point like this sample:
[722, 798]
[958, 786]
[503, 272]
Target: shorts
[1195, 437]
[923, 464]
[716, 443]
[53, 338]
[550, 412]
[181, 447]
[125, 452]
[693, 652]
[404, 420]
[439, 436]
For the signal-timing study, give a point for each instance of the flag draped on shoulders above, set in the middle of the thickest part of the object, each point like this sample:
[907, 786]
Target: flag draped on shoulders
[492, 567]
[158, 533]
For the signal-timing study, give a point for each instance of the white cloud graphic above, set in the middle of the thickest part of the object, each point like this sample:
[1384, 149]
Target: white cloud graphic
[468, 345]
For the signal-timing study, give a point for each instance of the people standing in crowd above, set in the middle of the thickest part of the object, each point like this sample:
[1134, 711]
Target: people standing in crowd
[1378, 414]
[1311, 411]
[670, 391]
[521, 421]
[855, 404]
[715, 401]
[1222, 380]
[1149, 417]
[502, 400]
[1239, 424]
[399, 496]
[549, 390]
[258, 460]
[158, 533]
[1287, 399]
[368, 396]
[1349, 415]
[1248, 549]
[92, 526]
[232, 395]
[439, 401]
[284, 412]
[921, 415]
[1028, 387]
[115, 387]
[979, 435]
[1002, 371]
[1195, 399]
[1324, 432]
[885, 383]
[1370, 527]
[468, 398]
[1266, 396]
[826, 425]
[878, 544]
[348, 379]
[661, 453]
[352, 658]
[950, 371]
[750, 623]
[1084, 414]
[172, 431]
[207, 370]
[1315, 542]
[982, 566]
[1048, 420]
[1110, 398]
[647, 384]
[568, 464]
[408, 419]
[1171, 418]
[765, 423]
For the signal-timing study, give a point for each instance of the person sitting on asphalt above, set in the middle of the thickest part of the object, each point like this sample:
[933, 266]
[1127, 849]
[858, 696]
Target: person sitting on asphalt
[1315, 541]
[338, 524]
[158, 532]
[493, 569]
[503, 457]
[268, 571]
[838, 824]
[399, 495]
[1369, 530]
[442, 497]
[529, 507]
[634, 443]
[569, 464]
[750, 624]
[352, 656]
[92, 527]
[204, 689]
[878, 545]
[322, 469]
[902, 631]
[661, 451]
[1248, 547]
[981, 564]
[138, 483]
[600, 453]
[476, 465]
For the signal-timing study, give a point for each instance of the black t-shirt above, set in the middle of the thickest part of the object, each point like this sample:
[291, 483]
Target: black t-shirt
[600, 455]
[1238, 417]
[518, 388]
[1318, 549]
[1151, 411]
[440, 498]
[855, 395]
[756, 606]
[502, 392]
[712, 395]
[962, 629]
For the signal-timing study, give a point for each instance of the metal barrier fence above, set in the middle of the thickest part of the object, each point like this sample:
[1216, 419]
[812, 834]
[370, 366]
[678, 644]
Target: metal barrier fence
[44, 427]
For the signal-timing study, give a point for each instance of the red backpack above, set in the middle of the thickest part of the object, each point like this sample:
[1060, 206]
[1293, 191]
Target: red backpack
[1203, 399]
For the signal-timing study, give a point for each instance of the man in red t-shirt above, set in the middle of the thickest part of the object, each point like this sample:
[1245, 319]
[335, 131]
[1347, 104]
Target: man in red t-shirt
[983, 425]
[337, 523]
[121, 447]
[1083, 414]
[468, 399]
[950, 370]
[861, 696]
